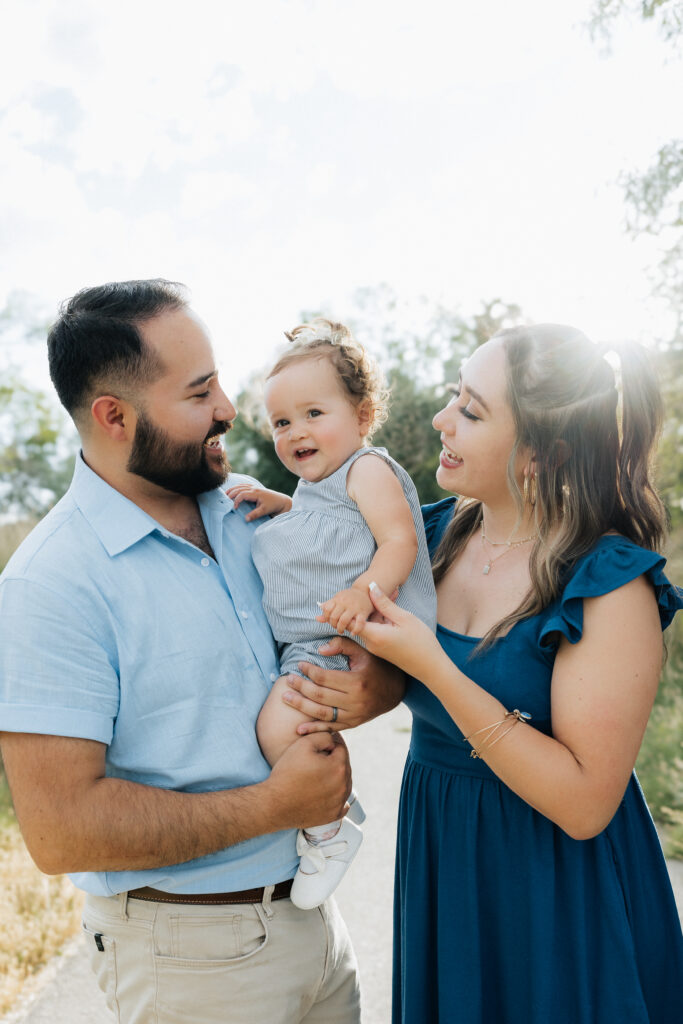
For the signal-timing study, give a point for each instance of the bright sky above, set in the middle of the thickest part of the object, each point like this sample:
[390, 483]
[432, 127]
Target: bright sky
[277, 155]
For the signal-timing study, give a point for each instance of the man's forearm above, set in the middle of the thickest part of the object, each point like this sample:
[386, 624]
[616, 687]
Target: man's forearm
[75, 819]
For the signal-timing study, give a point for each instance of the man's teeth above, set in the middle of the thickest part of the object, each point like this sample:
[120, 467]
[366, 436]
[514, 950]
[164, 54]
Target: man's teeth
[213, 442]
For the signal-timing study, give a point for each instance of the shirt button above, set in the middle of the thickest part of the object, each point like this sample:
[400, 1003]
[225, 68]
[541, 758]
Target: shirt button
[205, 561]
[273, 677]
[245, 615]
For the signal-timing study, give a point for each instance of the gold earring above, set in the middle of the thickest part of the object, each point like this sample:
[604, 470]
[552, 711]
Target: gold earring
[530, 489]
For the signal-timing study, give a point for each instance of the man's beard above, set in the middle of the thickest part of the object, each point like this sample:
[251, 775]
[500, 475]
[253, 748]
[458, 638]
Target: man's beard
[181, 468]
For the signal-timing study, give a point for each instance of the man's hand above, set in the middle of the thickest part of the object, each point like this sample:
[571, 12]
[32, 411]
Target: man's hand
[267, 503]
[371, 687]
[75, 818]
[311, 781]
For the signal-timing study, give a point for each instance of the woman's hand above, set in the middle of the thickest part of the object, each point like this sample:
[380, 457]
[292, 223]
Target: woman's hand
[401, 638]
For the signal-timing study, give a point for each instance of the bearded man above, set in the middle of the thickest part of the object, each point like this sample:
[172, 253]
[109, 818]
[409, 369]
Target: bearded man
[134, 659]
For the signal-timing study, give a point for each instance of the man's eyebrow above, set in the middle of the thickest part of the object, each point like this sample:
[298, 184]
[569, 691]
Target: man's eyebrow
[204, 379]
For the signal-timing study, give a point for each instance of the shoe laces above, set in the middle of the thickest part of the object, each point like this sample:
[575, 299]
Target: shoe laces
[317, 856]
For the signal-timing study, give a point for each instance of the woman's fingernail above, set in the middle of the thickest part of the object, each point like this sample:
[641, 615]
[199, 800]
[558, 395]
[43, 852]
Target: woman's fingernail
[373, 586]
[287, 696]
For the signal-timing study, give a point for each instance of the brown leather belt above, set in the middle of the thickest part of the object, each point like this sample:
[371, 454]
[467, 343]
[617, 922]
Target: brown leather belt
[280, 892]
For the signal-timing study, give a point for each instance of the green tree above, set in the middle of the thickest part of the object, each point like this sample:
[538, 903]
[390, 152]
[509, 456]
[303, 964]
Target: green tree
[420, 351]
[666, 15]
[35, 463]
[37, 443]
[654, 207]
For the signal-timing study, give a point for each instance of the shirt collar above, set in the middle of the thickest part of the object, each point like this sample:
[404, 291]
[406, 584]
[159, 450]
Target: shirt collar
[119, 522]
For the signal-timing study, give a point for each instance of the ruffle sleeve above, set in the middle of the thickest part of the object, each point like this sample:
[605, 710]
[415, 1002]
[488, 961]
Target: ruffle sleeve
[614, 562]
[436, 518]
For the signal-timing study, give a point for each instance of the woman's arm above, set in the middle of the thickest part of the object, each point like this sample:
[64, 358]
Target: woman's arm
[602, 693]
[377, 491]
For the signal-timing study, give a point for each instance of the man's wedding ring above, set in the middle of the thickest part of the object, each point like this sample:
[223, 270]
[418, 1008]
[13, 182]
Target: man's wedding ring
[335, 712]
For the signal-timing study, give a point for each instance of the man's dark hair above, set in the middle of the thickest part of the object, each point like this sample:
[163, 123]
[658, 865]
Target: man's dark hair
[95, 345]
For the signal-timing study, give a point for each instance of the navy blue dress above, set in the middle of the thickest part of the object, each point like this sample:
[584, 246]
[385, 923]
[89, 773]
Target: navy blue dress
[500, 917]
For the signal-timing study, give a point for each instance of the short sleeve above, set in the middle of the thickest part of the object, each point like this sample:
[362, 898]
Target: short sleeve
[436, 518]
[614, 562]
[55, 676]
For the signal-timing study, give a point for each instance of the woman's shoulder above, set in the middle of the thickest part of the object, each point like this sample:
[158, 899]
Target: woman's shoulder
[436, 518]
[612, 562]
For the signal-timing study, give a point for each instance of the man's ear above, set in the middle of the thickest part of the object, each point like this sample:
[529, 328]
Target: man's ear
[114, 417]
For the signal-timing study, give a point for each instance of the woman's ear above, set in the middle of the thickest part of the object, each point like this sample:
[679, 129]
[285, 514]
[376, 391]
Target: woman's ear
[562, 452]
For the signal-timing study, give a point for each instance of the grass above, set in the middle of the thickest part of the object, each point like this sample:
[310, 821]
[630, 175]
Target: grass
[11, 536]
[39, 914]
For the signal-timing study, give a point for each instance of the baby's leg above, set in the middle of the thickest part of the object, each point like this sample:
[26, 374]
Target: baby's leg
[277, 723]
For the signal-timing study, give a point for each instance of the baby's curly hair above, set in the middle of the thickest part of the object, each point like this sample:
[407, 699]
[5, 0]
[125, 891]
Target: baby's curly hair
[358, 371]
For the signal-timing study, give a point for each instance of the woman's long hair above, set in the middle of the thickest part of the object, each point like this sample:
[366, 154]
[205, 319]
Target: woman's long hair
[592, 455]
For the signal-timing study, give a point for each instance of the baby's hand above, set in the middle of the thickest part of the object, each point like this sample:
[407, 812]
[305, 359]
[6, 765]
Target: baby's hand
[347, 611]
[268, 503]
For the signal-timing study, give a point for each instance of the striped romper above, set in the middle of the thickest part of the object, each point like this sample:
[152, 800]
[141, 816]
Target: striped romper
[320, 547]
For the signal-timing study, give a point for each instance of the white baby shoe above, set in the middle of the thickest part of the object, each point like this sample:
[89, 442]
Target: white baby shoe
[322, 867]
[355, 811]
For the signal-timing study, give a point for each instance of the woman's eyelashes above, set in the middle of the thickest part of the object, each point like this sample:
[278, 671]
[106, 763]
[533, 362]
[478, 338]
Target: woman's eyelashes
[467, 414]
[463, 408]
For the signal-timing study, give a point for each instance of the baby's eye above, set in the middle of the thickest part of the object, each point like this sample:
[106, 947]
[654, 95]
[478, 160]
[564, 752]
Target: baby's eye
[315, 412]
[280, 423]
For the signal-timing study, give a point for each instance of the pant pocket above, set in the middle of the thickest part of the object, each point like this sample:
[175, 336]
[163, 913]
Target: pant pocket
[213, 958]
[102, 956]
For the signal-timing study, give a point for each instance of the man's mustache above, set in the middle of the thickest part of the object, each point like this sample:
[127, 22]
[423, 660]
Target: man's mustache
[219, 427]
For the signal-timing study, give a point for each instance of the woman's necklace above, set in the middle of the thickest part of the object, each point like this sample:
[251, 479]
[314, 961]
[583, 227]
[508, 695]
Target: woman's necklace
[507, 544]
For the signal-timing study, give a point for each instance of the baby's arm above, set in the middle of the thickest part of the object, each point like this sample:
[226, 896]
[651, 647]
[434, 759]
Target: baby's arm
[267, 503]
[377, 491]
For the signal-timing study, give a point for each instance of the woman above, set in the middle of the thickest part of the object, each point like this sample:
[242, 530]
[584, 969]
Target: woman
[530, 882]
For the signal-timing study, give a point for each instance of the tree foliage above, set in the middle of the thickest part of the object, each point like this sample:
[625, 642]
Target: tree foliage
[654, 207]
[420, 351]
[35, 470]
[667, 15]
[36, 441]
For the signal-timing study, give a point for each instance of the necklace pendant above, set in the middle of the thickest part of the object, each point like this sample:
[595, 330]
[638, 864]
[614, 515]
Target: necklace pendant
[486, 570]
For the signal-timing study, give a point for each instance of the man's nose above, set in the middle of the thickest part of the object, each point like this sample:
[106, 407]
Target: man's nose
[224, 409]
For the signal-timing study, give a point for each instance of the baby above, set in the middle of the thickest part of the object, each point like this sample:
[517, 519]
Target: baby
[354, 518]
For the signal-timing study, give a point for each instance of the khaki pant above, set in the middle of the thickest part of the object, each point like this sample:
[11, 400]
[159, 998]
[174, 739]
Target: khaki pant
[252, 963]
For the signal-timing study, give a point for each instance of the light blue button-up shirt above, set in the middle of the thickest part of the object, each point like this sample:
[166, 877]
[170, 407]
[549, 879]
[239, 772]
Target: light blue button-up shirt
[113, 629]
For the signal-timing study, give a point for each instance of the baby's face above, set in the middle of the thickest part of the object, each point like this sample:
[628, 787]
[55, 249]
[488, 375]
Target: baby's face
[316, 427]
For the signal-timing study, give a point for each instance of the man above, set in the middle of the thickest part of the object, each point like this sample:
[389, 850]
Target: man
[134, 658]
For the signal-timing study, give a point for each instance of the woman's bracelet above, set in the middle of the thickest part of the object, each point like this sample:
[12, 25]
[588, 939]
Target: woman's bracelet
[490, 730]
